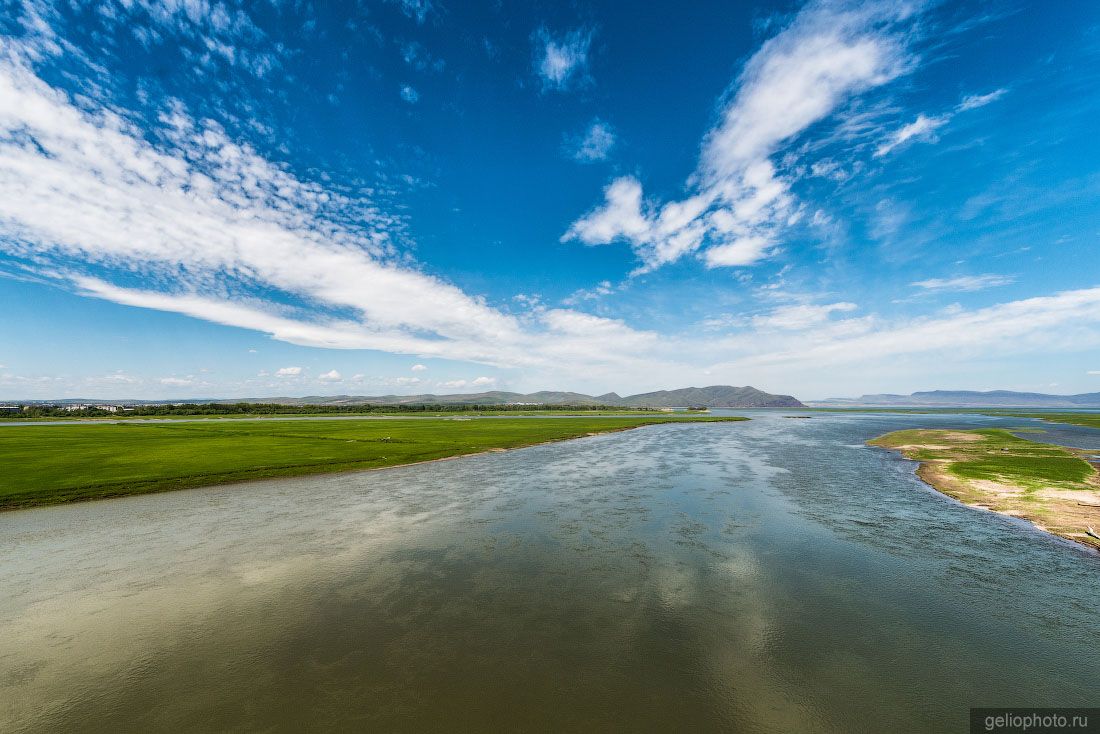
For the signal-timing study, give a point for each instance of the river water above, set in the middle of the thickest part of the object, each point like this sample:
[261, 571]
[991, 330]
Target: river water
[768, 576]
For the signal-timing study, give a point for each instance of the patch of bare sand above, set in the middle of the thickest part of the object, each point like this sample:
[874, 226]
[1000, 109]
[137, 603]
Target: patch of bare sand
[922, 446]
[962, 437]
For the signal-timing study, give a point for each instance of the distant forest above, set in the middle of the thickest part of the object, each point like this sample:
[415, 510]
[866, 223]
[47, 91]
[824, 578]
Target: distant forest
[53, 411]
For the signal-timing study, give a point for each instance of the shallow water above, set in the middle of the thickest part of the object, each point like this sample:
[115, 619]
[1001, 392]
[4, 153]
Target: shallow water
[775, 575]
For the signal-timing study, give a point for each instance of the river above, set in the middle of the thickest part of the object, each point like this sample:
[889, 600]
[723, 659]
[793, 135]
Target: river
[775, 575]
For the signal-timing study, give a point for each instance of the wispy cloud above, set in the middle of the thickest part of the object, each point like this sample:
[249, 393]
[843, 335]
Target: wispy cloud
[330, 376]
[418, 367]
[1018, 327]
[478, 382]
[800, 316]
[922, 128]
[739, 204]
[964, 283]
[601, 289]
[561, 61]
[409, 94]
[595, 144]
[975, 101]
[288, 372]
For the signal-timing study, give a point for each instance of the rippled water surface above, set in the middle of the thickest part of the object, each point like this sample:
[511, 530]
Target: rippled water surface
[775, 575]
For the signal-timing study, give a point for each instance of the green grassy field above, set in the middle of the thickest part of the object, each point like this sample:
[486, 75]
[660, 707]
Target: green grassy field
[49, 464]
[114, 417]
[995, 455]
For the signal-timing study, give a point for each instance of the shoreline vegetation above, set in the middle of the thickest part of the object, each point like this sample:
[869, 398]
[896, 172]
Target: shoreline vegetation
[1055, 488]
[53, 464]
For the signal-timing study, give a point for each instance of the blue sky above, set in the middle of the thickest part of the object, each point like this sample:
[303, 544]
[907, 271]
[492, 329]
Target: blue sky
[219, 199]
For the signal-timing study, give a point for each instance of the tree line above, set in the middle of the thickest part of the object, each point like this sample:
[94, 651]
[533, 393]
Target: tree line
[56, 411]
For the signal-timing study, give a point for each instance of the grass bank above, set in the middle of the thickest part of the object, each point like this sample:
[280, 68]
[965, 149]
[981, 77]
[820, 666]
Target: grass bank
[49, 464]
[1053, 487]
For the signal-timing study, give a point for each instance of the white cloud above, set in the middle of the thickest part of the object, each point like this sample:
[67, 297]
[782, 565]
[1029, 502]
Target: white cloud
[288, 371]
[621, 216]
[409, 94]
[975, 101]
[596, 143]
[118, 378]
[1094, 372]
[964, 283]
[330, 376]
[743, 251]
[418, 367]
[922, 128]
[476, 382]
[801, 316]
[561, 60]
[827, 54]
[177, 381]
[405, 381]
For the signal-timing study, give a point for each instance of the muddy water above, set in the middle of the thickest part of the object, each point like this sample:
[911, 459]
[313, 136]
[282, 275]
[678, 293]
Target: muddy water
[774, 575]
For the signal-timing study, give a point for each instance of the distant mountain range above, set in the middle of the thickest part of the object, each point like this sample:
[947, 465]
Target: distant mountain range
[715, 396]
[966, 399]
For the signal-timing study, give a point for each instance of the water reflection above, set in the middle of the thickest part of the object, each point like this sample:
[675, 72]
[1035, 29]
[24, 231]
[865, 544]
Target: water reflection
[765, 576]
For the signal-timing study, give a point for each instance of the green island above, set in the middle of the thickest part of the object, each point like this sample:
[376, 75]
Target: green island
[1055, 488]
[49, 464]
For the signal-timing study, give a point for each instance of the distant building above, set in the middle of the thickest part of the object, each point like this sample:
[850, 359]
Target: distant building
[11, 408]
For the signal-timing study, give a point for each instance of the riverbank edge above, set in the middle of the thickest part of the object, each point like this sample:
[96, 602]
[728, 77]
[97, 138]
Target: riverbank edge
[932, 474]
[116, 491]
